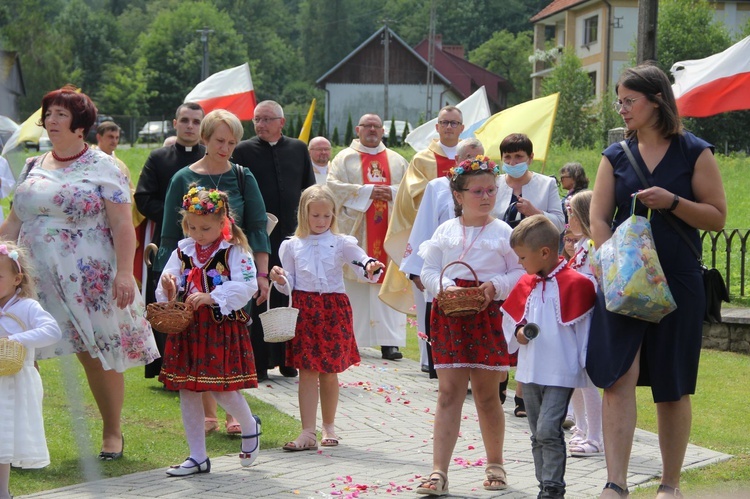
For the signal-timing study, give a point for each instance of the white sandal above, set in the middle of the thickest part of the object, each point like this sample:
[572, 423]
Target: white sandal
[586, 448]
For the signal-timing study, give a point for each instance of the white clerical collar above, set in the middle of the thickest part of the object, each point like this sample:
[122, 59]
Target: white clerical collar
[320, 168]
[369, 150]
[450, 152]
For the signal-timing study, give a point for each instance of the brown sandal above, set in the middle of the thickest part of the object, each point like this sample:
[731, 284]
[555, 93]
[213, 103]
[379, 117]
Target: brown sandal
[437, 479]
[307, 440]
[495, 473]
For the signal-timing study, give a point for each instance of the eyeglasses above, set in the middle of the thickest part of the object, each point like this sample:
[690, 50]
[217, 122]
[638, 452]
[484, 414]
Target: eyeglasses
[449, 124]
[320, 148]
[479, 193]
[261, 121]
[570, 240]
[370, 127]
[626, 104]
[564, 176]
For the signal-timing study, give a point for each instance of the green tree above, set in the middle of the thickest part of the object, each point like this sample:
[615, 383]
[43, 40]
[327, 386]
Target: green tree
[507, 54]
[392, 134]
[174, 53]
[572, 123]
[124, 89]
[335, 137]
[349, 134]
[687, 30]
[322, 132]
[44, 59]
[96, 36]
[405, 133]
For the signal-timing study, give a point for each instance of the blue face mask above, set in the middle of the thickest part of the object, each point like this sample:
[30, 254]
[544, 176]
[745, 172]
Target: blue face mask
[516, 171]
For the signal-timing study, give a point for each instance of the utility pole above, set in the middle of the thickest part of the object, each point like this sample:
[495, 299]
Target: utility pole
[430, 61]
[648, 11]
[204, 38]
[386, 63]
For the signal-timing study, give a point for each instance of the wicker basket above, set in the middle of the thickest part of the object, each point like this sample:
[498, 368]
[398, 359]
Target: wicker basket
[12, 354]
[171, 317]
[279, 323]
[461, 302]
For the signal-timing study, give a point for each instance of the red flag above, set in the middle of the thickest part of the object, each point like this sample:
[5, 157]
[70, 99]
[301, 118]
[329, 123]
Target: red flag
[716, 84]
[231, 89]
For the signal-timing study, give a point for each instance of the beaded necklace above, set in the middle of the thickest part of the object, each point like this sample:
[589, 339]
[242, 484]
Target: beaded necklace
[70, 158]
[204, 252]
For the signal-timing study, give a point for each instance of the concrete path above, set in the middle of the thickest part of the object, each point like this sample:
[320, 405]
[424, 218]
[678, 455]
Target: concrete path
[385, 420]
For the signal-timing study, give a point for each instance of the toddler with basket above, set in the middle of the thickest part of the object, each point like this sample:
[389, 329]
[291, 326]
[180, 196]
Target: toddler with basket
[471, 251]
[214, 272]
[324, 343]
[24, 326]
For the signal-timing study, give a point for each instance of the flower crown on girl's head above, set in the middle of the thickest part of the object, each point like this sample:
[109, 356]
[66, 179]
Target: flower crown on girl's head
[12, 254]
[192, 203]
[478, 163]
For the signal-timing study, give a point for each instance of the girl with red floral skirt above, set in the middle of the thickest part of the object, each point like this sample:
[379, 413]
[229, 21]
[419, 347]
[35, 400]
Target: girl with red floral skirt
[324, 344]
[214, 272]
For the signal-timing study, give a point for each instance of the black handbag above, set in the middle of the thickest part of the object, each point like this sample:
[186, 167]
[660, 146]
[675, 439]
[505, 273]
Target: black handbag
[713, 281]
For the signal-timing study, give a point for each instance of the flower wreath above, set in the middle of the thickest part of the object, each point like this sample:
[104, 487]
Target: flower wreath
[192, 203]
[478, 163]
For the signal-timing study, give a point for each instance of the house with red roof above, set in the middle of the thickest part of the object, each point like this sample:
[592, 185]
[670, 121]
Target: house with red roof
[360, 84]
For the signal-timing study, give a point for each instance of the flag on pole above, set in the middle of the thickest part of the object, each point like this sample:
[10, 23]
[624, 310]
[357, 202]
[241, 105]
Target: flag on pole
[535, 118]
[28, 131]
[474, 108]
[304, 133]
[231, 89]
[716, 84]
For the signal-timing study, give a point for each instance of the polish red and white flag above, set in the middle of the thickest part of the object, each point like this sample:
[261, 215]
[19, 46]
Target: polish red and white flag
[716, 84]
[231, 89]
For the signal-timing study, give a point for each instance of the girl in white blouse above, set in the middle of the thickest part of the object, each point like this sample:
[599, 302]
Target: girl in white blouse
[324, 343]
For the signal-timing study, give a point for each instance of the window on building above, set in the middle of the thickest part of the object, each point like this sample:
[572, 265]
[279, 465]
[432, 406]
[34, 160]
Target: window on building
[591, 30]
[592, 77]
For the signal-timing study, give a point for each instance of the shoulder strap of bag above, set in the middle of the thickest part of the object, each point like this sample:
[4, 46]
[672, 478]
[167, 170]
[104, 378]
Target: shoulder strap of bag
[667, 216]
[239, 172]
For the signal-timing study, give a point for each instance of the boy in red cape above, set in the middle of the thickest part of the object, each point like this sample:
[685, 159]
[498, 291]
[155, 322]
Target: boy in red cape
[559, 302]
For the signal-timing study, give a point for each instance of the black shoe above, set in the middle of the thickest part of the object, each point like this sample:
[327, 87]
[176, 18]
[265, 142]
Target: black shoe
[111, 456]
[288, 372]
[425, 368]
[503, 388]
[391, 353]
[262, 376]
[520, 410]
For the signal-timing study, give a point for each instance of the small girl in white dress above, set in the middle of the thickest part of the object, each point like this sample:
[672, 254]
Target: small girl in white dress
[22, 319]
[324, 343]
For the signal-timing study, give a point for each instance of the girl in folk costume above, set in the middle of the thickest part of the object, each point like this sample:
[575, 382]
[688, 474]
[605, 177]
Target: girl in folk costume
[324, 344]
[212, 268]
[587, 439]
[22, 319]
[470, 346]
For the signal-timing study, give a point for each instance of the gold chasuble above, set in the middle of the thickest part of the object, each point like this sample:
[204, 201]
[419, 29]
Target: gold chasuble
[426, 165]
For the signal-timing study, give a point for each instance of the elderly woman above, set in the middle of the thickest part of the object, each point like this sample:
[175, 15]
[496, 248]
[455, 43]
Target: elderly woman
[573, 179]
[72, 212]
[220, 132]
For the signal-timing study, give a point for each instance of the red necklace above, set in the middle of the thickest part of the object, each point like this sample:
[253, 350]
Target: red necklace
[204, 252]
[70, 158]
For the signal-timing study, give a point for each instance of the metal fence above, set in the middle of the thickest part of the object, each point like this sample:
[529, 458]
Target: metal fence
[727, 251]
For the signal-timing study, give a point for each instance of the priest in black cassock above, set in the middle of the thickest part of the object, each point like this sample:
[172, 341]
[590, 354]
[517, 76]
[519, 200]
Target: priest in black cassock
[283, 169]
[151, 190]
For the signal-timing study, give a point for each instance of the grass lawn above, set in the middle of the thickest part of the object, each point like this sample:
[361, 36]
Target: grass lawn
[155, 439]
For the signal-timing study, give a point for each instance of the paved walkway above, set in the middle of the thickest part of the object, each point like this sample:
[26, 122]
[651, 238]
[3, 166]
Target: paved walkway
[385, 418]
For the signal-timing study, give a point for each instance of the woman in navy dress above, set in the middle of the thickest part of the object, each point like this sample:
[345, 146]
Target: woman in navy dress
[625, 352]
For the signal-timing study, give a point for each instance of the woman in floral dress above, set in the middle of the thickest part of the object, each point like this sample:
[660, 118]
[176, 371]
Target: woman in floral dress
[72, 212]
